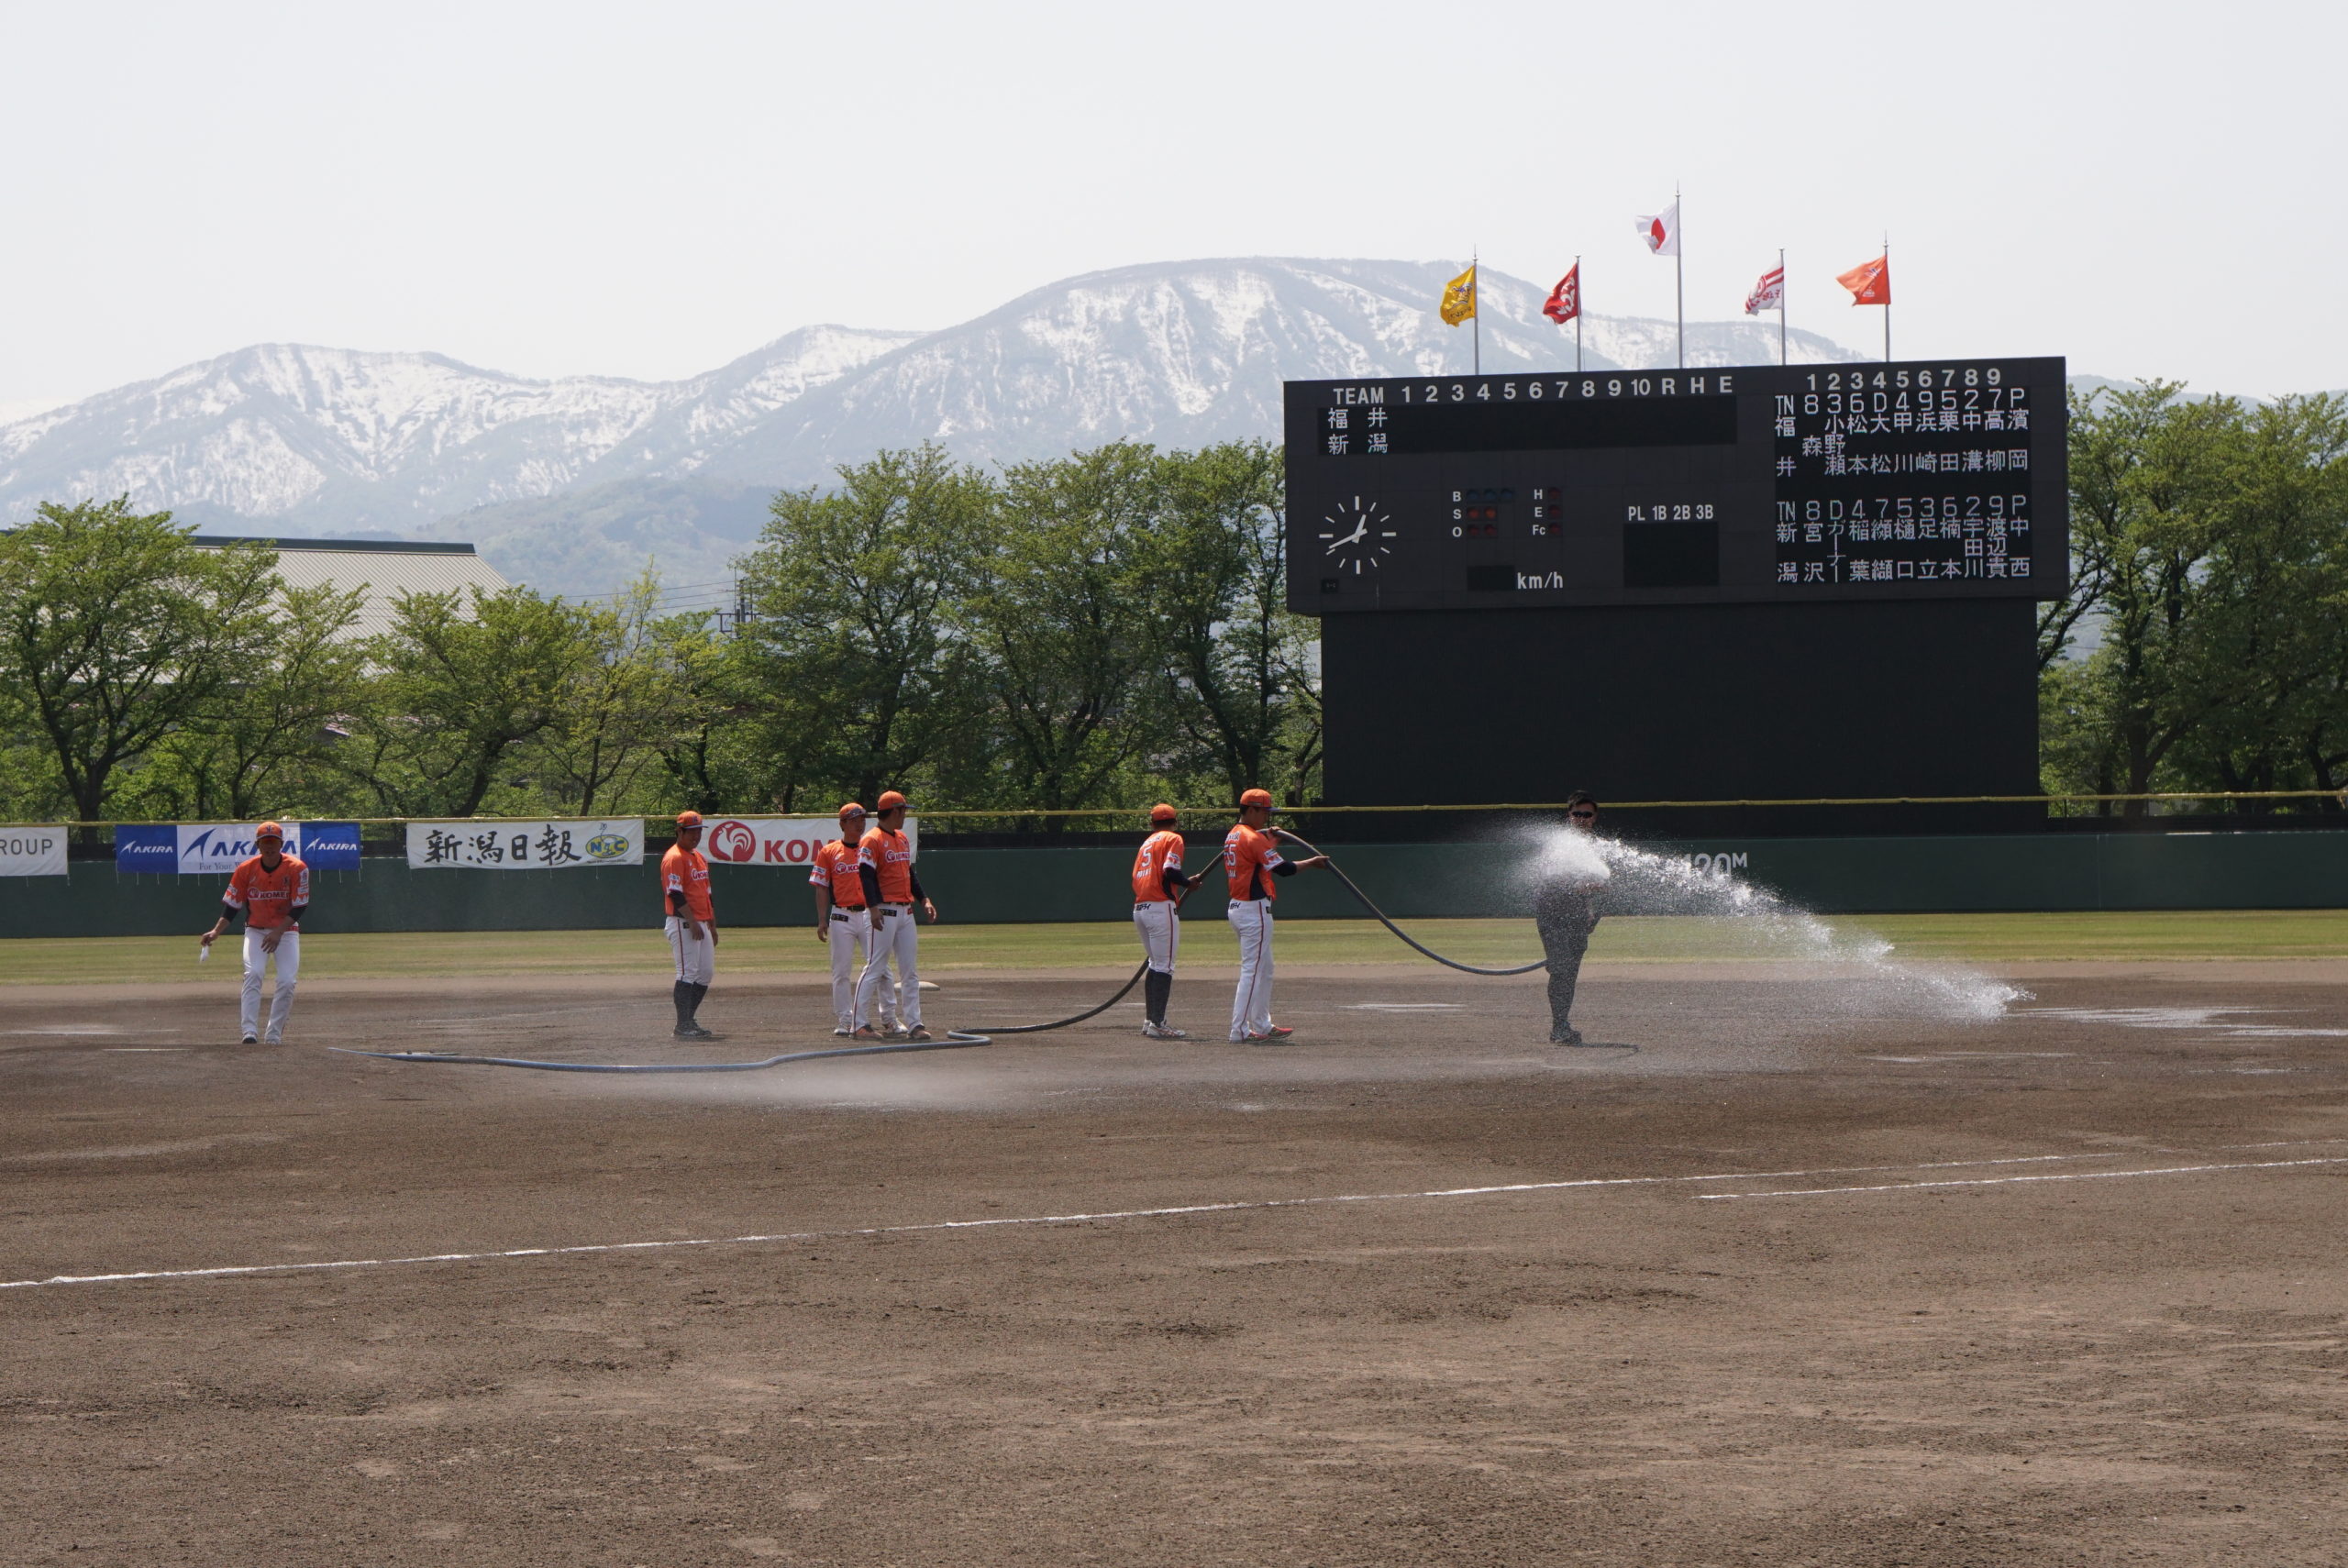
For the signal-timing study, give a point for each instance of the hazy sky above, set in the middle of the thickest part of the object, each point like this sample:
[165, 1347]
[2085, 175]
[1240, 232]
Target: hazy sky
[648, 191]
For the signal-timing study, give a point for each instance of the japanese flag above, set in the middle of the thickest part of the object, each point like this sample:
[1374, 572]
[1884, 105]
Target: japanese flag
[1662, 231]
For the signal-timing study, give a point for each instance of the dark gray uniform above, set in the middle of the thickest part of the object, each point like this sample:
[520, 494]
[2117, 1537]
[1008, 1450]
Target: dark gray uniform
[1566, 915]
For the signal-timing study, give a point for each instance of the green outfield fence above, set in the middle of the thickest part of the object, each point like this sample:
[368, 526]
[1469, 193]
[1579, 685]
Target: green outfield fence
[2201, 868]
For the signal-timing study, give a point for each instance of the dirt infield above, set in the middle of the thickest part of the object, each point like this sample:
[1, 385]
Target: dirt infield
[1763, 1279]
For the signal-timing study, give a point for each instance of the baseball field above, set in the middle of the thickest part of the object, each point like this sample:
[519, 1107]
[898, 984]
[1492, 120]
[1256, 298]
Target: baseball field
[2016, 1246]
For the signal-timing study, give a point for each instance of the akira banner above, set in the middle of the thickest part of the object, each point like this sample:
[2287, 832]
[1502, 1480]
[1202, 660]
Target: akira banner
[778, 841]
[196, 848]
[554, 845]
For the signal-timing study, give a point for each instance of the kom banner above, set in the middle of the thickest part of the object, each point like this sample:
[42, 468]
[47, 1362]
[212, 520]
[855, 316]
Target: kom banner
[779, 841]
[554, 845]
[188, 848]
[32, 852]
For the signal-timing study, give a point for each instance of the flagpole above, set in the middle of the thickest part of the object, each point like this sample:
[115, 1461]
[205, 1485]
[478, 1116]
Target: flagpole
[1679, 275]
[1781, 305]
[1578, 313]
[1476, 294]
[1886, 299]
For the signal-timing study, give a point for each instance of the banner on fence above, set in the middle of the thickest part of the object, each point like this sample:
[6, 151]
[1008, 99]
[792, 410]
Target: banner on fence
[778, 841]
[527, 846]
[189, 848]
[32, 852]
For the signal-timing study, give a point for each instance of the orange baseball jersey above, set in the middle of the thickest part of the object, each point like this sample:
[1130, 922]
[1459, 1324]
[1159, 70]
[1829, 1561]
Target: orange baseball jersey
[686, 871]
[1248, 857]
[835, 866]
[892, 858]
[1159, 851]
[267, 897]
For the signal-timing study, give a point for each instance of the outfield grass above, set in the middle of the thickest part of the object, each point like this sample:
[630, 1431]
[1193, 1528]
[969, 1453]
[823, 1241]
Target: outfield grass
[2000, 938]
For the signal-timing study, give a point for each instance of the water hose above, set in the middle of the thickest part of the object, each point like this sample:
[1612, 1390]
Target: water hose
[1079, 1018]
[1353, 889]
[954, 1040]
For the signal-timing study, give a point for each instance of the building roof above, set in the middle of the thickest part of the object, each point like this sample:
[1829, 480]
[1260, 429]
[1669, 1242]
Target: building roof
[386, 567]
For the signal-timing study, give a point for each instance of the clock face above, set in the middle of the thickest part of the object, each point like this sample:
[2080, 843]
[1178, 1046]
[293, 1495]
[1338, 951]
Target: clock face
[1355, 533]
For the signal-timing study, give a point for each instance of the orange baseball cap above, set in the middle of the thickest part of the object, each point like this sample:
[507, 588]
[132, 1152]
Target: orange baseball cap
[851, 810]
[1256, 797]
[891, 799]
[1162, 812]
[269, 830]
[688, 819]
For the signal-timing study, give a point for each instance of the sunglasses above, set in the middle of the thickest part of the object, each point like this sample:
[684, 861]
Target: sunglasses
[1583, 816]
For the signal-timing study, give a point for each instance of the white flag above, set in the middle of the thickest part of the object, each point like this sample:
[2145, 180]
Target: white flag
[1769, 294]
[1662, 231]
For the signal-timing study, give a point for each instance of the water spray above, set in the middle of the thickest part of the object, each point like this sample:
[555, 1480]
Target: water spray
[954, 1040]
[1354, 888]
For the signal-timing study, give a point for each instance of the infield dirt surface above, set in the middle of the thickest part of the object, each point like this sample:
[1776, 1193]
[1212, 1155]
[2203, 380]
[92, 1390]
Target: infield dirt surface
[1760, 1335]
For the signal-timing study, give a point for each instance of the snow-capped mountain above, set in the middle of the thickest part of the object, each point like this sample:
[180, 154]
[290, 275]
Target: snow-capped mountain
[296, 439]
[572, 484]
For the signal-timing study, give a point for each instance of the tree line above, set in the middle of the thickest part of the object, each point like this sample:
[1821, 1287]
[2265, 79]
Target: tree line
[1092, 631]
[2204, 643]
[1098, 630]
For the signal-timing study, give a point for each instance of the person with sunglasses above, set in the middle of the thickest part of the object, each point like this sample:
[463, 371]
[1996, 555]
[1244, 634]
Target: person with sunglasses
[1564, 910]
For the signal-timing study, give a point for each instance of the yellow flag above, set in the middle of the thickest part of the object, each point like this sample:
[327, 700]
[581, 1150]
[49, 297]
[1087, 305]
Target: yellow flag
[1460, 297]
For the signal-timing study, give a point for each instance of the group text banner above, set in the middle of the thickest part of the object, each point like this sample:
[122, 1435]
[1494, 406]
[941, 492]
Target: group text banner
[527, 846]
[778, 841]
[199, 847]
[32, 852]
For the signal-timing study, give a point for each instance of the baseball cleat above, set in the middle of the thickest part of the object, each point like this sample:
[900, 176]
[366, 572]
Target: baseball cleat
[694, 1032]
[918, 1033]
[1163, 1032]
[252, 1040]
[843, 1033]
[1565, 1037]
[1277, 1031]
[864, 1032]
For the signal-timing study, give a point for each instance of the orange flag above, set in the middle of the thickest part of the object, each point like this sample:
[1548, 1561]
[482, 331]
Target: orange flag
[1869, 282]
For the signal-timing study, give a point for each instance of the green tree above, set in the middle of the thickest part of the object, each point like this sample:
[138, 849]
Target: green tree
[271, 735]
[1239, 671]
[618, 708]
[465, 687]
[854, 636]
[116, 630]
[1061, 623]
[2153, 483]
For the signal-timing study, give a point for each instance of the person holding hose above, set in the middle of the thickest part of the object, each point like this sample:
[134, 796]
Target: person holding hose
[1565, 912]
[692, 923]
[1158, 881]
[884, 862]
[1251, 862]
[844, 919]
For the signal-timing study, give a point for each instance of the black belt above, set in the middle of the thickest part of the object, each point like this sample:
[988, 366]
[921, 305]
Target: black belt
[841, 915]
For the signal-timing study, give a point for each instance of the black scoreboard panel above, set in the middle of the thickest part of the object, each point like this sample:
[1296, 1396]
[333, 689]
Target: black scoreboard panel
[1769, 485]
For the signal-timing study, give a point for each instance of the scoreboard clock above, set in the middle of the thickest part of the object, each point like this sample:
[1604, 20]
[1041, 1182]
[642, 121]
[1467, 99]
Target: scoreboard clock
[1770, 484]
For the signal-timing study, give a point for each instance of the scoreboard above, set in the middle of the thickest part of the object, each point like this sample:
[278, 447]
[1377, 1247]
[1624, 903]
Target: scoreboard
[1754, 485]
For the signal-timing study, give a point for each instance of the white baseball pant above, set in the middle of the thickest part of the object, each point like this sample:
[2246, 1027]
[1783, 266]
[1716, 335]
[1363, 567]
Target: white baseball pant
[289, 975]
[894, 935]
[696, 961]
[1251, 1005]
[851, 945]
[1161, 934]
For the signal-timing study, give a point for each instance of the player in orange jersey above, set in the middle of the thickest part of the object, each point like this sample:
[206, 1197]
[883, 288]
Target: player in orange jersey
[1158, 880]
[843, 920]
[272, 890]
[1251, 861]
[692, 923]
[891, 891]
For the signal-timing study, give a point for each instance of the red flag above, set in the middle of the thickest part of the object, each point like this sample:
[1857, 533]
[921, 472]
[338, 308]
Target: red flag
[1869, 282]
[1564, 300]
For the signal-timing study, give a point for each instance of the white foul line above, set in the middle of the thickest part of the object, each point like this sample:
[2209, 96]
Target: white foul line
[2064, 1175]
[1173, 1211]
[1170, 1212]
